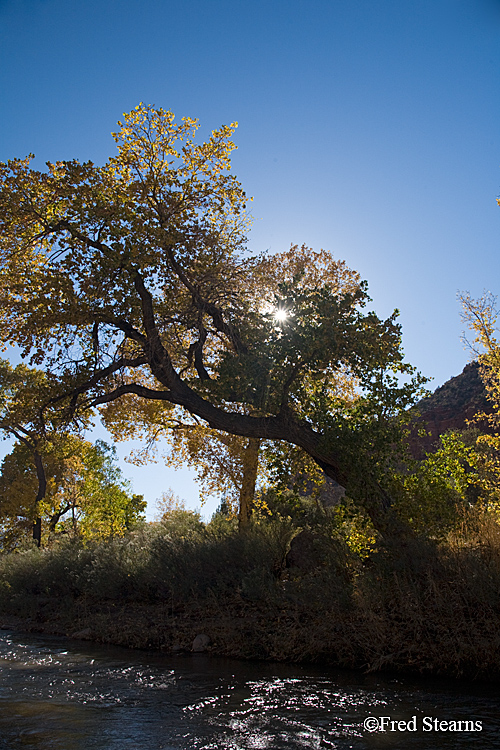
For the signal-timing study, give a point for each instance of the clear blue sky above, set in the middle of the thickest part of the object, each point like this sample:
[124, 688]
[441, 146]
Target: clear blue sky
[370, 129]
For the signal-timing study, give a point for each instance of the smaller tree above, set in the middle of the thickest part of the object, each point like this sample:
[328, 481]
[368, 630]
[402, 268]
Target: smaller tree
[102, 501]
[434, 495]
[86, 495]
[23, 393]
[481, 316]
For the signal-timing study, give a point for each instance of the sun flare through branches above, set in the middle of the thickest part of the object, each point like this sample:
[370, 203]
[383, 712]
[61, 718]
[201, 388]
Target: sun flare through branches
[280, 315]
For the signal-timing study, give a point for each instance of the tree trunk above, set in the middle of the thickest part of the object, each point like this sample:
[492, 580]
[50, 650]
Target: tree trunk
[54, 519]
[42, 488]
[37, 532]
[247, 489]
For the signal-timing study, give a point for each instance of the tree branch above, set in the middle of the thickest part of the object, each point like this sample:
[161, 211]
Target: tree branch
[203, 305]
[134, 388]
[95, 379]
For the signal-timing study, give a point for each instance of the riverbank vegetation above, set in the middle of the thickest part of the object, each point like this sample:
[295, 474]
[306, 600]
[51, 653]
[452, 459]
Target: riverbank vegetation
[421, 607]
[129, 292]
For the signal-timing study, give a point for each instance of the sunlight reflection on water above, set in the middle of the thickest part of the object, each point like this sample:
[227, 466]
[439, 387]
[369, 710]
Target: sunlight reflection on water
[78, 696]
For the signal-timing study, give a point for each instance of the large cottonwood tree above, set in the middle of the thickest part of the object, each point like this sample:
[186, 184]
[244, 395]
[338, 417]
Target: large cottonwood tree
[230, 465]
[133, 279]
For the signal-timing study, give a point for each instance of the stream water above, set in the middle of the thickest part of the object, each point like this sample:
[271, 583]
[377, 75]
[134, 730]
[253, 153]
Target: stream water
[69, 695]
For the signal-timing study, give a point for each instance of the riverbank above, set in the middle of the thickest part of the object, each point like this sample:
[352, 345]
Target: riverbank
[425, 611]
[239, 629]
[253, 632]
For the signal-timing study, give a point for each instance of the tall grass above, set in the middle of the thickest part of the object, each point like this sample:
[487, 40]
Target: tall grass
[175, 560]
[416, 605]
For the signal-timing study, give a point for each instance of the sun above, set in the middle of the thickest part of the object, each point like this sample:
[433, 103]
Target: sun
[280, 315]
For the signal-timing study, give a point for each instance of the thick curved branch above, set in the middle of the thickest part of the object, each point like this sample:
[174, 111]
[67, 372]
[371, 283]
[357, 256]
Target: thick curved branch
[272, 428]
[130, 388]
[96, 379]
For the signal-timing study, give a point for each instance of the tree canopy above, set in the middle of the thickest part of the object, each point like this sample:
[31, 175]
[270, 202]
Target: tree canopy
[481, 316]
[133, 280]
[85, 494]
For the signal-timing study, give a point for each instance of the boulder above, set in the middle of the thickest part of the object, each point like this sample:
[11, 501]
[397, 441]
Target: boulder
[305, 553]
[83, 635]
[200, 643]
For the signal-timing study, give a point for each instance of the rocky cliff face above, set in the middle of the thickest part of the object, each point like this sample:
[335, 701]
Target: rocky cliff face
[449, 408]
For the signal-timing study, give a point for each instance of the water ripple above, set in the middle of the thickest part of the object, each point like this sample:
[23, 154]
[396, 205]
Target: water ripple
[85, 697]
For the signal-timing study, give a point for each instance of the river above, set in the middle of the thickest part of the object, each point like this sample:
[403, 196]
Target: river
[60, 694]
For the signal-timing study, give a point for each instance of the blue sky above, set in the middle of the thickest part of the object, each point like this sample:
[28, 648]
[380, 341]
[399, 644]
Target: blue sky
[370, 129]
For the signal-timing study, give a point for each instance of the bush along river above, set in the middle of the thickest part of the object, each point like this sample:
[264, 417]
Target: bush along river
[70, 695]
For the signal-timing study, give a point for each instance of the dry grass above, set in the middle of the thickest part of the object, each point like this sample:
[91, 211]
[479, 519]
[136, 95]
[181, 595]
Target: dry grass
[418, 607]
